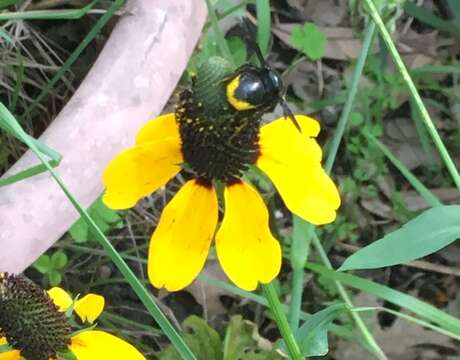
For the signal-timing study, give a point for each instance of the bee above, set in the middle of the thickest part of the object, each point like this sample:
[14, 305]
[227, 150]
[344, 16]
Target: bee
[257, 87]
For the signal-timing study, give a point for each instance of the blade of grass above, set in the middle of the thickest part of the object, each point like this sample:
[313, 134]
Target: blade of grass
[117, 4]
[455, 8]
[67, 14]
[332, 153]
[145, 297]
[436, 69]
[422, 309]
[414, 93]
[5, 3]
[282, 322]
[55, 158]
[426, 16]
[18, 86]
[223, 45]
[263, 25]
[429, 197]
[423, 137]
[413, 319]
[346, 298]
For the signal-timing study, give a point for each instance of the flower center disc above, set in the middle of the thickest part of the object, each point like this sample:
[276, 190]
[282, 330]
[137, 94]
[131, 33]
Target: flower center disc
[29, 319]
[217, 148]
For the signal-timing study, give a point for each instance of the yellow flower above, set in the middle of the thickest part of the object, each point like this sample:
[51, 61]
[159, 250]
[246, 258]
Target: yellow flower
[246, 249]
[86, 344]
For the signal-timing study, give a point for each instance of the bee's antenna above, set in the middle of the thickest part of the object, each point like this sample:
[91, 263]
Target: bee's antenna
[253, 44]
[287, 113]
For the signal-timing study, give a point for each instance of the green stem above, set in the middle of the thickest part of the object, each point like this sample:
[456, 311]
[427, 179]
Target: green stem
[344, 295]
[414, 93]
[427, 195]
[332, 153]
[296, 297]
[281, 321]
[127, 273]
[353, 89]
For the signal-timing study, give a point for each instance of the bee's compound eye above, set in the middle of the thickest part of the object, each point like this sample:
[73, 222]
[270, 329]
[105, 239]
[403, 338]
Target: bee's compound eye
[276, 81]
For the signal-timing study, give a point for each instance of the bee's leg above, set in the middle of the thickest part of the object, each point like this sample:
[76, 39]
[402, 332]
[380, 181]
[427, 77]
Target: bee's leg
[287, 113]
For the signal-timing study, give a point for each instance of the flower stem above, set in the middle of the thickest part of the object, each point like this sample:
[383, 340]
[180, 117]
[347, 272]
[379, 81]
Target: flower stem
[281, 321]
[373, 12]
[332, 153]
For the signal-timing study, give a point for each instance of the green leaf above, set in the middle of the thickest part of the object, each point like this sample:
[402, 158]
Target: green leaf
[5, 3]
[10, 125]
[263, 25]
[58, 260]
[426, 16]
[203, 340]
[427, 233]
[66, 355]
[43, 264]
[104, 218]
[55, 277]
[312, 335]
[242, 341]
[106, 214]
[238, 50]
[309, 40]
[5, 348]
[79, 231]
[454, 6]
[414, 305]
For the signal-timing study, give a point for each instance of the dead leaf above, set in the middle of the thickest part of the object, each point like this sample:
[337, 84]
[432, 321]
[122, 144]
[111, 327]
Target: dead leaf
[402, 138]
[209, 296]
[377, 207]
[415, 202]
[342, 44]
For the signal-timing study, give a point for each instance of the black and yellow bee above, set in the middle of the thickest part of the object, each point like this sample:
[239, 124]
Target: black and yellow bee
[220, 114]
[253, 87]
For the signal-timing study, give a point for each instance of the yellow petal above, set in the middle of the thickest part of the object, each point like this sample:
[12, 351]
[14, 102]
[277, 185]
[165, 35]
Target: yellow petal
[99, 345]
[180, 243]
[89, 307]
[162, 127]
[9, 355]
[60, 298]
[139, 171]
[246, 249]
[292, 160]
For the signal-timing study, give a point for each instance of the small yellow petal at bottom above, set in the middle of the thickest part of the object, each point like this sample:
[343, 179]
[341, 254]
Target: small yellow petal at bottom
[180, 243]
[99, 345]
[292, 161]
[9, 355]
[139, 171]
[60, 298]
[162, 127]
[247, 251]
[89, 307]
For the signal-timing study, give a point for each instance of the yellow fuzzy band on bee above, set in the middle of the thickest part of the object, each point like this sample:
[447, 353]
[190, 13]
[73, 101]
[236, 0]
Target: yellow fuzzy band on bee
[231, 96]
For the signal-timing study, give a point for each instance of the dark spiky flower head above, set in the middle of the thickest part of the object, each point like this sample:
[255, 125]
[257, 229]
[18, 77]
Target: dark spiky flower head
[30, 320]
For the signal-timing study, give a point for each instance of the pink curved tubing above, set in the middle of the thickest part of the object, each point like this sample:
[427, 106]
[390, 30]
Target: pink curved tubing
[130, 83]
